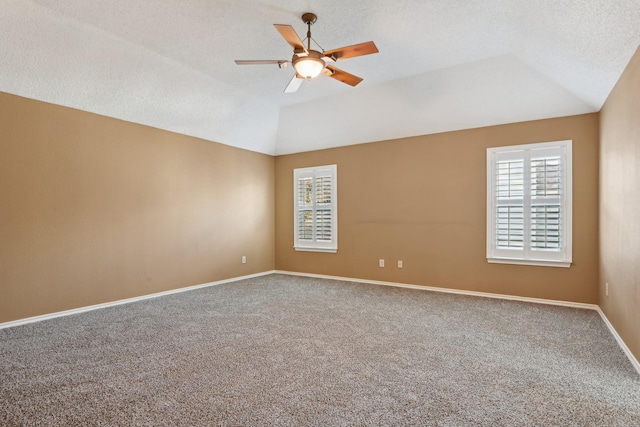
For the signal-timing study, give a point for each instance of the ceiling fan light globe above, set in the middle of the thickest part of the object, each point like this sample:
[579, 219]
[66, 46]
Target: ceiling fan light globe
[308, 67]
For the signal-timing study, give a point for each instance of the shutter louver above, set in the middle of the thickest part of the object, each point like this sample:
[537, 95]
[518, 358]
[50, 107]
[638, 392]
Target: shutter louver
[305, 225]
[545, 227]
[323, 225]
[510, 227]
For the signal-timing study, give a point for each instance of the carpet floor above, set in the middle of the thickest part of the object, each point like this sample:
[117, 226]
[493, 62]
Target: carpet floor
[291, 351]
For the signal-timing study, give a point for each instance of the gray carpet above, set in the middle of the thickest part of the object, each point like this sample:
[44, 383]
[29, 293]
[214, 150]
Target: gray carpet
[280, 350]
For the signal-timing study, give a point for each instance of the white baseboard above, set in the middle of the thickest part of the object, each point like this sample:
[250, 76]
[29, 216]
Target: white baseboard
[448, 290]
[125, 301]
[621, 343]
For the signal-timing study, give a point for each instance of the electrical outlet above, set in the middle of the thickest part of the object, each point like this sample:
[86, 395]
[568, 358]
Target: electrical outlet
[381, 263]
[399, 263]
[244, 259]
[606, 289]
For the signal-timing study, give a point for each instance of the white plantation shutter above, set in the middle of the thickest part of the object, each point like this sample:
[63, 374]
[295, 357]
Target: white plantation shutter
[546, 202]
[509, 209]
[529, 204]
[324, 217]
[305, 208]
[315, 206]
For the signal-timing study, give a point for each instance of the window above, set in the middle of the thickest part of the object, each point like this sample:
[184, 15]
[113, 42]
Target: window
[315, 209]
[529, 204]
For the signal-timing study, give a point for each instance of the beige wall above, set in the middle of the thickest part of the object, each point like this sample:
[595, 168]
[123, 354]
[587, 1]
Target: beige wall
[94, 209]
[620, 206]
[422, 200]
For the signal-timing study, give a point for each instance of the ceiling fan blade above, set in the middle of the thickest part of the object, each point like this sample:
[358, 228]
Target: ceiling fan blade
[352, 51]
[343, 76]
[261, 62]
[290, 35]
[294, 84]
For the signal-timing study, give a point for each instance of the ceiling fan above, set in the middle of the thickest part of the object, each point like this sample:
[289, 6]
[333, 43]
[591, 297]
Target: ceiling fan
[310, 63]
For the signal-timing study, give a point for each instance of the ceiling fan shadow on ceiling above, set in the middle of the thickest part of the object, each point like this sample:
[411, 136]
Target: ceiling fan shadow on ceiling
[309, 63]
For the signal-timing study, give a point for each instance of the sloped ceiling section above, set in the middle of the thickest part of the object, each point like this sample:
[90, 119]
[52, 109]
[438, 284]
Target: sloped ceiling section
[443, 65]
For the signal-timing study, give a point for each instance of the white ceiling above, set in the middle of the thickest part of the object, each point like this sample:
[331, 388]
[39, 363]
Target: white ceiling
[443, 64]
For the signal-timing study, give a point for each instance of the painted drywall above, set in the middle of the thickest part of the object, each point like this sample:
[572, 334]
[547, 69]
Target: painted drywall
[441, 100]
[422, 200]
[94, 209]
[620, 206]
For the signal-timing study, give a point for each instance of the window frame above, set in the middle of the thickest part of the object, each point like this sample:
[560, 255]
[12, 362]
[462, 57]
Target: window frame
[529, 255]
[314, 245]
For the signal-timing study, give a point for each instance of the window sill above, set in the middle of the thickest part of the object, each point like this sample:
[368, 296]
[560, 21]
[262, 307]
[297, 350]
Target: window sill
[539, 263]
[311, 249]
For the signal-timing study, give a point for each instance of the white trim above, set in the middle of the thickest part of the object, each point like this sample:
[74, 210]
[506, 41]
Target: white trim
[309, 249]
[518, 261]
[621, 343]
[448, 290]
[73, 311]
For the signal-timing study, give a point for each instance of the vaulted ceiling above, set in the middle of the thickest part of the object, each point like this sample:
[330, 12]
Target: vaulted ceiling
[443, 64]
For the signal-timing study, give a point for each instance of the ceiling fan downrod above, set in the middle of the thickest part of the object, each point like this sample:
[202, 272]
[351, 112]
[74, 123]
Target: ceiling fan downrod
[309, 19]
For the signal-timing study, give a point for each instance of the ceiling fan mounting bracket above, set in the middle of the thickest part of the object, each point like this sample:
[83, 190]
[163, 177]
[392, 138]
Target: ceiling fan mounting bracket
[309, 18]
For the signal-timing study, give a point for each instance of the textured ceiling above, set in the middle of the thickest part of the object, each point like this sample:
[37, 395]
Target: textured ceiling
[443, 65]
